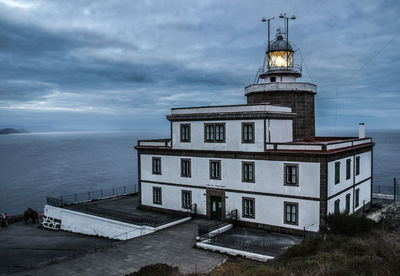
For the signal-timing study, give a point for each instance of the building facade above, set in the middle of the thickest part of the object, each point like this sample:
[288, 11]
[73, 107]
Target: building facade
[260, 159]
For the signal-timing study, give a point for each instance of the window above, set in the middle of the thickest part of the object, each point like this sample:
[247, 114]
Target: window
[291, 213]
[185, 133]
[157, 195]
[337, 172]
[291, 175]
[186, 168]
[215, 169]
[186, 199]
[248, 171]
[347, 203]
[272, 79]
[357, 165]
[337, 206]
[156, 165]
[214, 133]
[348, 168]
[248, 207]
[247, 132]
[357, 197]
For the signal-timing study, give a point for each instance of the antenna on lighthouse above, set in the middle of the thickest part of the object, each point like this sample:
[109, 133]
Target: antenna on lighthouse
[286, 21]
[269, 40]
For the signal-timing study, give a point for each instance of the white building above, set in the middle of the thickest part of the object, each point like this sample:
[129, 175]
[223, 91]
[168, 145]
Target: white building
[261, 158]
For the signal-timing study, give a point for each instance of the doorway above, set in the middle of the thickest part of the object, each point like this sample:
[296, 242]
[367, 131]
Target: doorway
[216, 207]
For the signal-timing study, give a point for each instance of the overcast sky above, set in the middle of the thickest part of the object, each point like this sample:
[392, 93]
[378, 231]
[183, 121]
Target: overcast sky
[101, 65]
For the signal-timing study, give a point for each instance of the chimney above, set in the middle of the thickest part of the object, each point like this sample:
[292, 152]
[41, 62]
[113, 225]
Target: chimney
[361, 130]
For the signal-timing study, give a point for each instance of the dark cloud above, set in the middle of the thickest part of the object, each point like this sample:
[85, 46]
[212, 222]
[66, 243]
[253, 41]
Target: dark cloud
[122, 60]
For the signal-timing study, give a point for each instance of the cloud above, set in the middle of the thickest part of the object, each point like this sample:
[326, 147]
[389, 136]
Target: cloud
[125, 58]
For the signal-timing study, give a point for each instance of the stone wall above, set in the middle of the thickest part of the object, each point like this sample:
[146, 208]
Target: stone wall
[301, 102]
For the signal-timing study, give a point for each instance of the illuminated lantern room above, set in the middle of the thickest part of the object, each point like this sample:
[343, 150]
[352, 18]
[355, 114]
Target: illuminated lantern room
[280, 54]
[279, 59]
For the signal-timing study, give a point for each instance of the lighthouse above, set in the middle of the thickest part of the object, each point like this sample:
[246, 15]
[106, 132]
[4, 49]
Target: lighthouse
[259, 161]
[276, 82]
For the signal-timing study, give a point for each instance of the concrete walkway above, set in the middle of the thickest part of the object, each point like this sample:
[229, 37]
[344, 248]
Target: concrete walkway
[25, 245]
[173, 246]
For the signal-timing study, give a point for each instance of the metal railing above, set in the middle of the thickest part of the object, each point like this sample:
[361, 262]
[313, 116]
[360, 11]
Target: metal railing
[204, 229]
[193, 209]
[149, 220]
[265, 69]
[396, 190]
[124, 236]
[232, 215]
[70, 199]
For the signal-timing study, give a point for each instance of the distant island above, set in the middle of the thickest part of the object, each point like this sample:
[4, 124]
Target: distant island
[11, 131]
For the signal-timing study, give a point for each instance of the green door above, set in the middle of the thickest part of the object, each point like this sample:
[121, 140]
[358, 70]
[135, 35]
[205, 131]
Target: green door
[216, 207]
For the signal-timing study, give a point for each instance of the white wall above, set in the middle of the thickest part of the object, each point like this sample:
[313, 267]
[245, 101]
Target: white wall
[233, 136]
[78, 222]
[365, 197]
[365, 187]
[268, 175]
[270, 210]
[281, 79]
[343, 184]
[365, 172]
[171, 197]
[365, 166]
[277, 130]
[365, 193]
[281, 131]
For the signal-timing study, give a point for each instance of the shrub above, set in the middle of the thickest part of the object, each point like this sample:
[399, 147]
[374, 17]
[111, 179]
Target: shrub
[349, 225]
[307, 247]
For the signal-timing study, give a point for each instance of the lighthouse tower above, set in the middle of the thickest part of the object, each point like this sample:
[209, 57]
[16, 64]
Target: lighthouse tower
[276, 83]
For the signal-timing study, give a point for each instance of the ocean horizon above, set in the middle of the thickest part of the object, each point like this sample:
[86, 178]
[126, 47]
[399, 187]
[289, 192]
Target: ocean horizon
[40, 164]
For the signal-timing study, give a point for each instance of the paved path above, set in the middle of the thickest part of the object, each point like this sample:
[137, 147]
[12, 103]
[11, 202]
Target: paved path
[173, 246]
[22, 244]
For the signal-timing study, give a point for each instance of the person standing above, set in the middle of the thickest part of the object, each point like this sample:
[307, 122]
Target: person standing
[6, 216]
[35, 217]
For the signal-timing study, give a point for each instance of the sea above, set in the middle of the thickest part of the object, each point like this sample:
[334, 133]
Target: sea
[36, 165]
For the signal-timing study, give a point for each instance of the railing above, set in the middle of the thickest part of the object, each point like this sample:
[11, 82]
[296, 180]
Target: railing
[204, 229]
[307, 233]
[149, 220]
[193, 209]
[396, 190]
[70, 199]
[323, 146]
[265, 68]
[124, 236]
[232, 215]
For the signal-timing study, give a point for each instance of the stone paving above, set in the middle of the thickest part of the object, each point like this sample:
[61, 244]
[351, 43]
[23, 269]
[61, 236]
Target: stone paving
[173, 246]
[24, 245]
